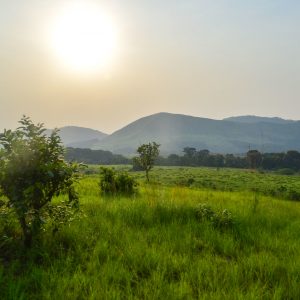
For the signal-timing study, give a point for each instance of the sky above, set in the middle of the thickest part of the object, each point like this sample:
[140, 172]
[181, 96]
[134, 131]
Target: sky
[211, 59]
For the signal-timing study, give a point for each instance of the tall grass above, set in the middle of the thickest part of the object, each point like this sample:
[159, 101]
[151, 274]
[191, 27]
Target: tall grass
[155, 246]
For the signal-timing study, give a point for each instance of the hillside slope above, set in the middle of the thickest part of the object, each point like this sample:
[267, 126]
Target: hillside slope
[256, 119]
[74, 136]
[174, 132]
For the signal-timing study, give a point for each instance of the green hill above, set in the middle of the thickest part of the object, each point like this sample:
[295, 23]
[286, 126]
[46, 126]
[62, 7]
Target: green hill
[256, 119]
[74, 136]
[175, 131]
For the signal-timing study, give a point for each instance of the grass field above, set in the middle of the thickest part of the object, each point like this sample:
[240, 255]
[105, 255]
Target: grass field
[162, 244]
[223, 179]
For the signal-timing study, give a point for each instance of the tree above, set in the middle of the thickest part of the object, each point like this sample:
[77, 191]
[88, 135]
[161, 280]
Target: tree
[254, 158]
[203, 157]
[174, 160]
[147, 155]
[189, 156]
[292, 159]
[32, 172]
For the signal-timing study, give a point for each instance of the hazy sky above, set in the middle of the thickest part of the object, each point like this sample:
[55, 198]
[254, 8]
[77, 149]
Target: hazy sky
[204, 58]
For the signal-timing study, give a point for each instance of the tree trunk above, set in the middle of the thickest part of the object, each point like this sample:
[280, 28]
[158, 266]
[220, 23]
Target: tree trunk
[26, 232]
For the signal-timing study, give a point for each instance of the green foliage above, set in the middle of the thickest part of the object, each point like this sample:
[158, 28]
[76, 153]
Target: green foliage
[89, 156]
[148, 153]
[156, 248]
[117, 183]
[32, 172]
[254, 158]
[205, 212]
[220, 219]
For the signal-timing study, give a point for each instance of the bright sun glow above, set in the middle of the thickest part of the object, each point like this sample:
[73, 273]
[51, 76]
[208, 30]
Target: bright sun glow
[84, 38]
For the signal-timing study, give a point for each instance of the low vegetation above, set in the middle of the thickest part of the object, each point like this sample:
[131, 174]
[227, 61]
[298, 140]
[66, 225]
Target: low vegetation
[114, 183]
[262, 183]
[169, 242]
[188, 233]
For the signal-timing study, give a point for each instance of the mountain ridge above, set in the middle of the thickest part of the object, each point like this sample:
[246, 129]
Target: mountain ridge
[76, 136]
[176, 131]
[258, 119]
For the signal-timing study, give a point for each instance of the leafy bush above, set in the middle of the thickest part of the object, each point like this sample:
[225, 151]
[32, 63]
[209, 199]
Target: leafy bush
[220, 219]
[190, 181]
[204, 211]
[32, 172]
[223, 219]
[113, 183]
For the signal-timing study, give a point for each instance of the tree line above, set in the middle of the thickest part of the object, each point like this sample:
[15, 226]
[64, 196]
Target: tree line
[252, 159]
[192, 157]
[99, 157]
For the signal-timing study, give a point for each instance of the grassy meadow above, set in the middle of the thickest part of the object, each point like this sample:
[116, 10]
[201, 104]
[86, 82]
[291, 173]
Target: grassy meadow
[193, 233]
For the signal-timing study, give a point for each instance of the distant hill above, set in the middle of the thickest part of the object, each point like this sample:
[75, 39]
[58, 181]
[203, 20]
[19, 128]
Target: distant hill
[256, 119]
[175, 131]
[74, 136]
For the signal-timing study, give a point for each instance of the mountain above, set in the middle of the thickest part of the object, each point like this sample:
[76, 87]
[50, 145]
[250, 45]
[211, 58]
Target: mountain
[256, 119]
[74, 136]
[175, 131]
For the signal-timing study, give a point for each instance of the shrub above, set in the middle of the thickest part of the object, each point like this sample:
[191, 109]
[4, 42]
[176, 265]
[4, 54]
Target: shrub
[32, 172]
[220, 219]
[205, 212]
[113, 183]
[190, 181]
[223, 219]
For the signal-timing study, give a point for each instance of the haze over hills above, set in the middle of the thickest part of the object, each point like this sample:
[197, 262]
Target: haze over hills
[256, 119]
[233, 135]
[75, 136]
[176, 131]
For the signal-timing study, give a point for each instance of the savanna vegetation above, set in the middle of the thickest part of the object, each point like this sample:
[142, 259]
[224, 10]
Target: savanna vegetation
[172, 233]
[285, 162]
[175, 239]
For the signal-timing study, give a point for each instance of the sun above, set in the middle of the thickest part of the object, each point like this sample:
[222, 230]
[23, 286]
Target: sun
[84, 38]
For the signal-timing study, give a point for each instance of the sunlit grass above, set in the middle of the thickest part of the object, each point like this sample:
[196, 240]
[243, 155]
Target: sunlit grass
[154, 246]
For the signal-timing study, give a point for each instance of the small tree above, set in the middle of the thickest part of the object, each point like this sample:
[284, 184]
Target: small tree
[147, 155]
[32, 172]
[254, 158]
